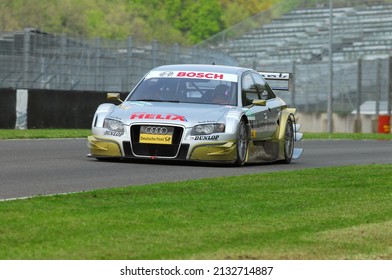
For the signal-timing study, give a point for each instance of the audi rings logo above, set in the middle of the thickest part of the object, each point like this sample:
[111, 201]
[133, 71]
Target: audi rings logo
[155, 130]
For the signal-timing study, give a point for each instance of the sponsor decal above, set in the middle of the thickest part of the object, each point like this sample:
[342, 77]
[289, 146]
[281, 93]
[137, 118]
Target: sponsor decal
[166, 74]
[114, 133]
[140, 103]
[264, 124]
[205, 137]
[156, 135]
[148, 116]
[193, 74]
[250, 114]
[275, 75]
[201, 75]
[155, 139]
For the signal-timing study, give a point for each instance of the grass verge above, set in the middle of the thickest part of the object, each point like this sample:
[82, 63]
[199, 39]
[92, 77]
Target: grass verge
[351, 136]
[43, 133]
[329, 213]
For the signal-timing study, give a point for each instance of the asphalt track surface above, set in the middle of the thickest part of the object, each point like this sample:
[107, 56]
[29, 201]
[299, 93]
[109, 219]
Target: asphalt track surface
[54, 166]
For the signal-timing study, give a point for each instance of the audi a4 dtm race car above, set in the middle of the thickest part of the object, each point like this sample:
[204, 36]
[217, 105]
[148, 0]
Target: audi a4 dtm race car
[204, 113]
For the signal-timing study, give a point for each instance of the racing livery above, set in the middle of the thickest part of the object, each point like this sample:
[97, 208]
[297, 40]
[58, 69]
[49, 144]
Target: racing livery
[195, 112]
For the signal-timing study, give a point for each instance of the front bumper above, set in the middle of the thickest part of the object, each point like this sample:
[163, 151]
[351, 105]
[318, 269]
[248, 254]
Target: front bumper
[101, 147]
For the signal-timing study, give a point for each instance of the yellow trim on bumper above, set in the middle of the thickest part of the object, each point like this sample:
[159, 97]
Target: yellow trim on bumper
[103, 147]
[215, 152]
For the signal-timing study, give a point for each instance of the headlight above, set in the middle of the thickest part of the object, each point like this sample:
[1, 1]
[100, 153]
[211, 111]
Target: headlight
[203, 129]
[113, 125]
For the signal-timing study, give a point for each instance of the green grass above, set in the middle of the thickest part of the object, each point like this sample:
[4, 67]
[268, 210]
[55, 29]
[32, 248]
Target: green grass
[329, 213]
[82, 133]
[43, 133]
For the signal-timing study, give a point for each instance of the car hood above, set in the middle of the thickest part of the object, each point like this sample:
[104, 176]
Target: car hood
[186, 114]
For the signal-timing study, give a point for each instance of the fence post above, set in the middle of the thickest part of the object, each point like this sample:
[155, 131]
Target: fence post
[389, 109]
[293, 85]
[26, 58]
[175, 53]
[378, 86]
[357, 121]
[195, 53]
[389, 99]
[377, 93]
[62, 60]
[154, 53]
[128, 85]
[97, 64]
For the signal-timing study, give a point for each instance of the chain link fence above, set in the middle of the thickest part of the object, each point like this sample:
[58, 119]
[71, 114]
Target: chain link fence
[354, 84]
[37, 60]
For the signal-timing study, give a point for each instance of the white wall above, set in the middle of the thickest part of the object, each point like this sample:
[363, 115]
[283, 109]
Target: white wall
[317, 122]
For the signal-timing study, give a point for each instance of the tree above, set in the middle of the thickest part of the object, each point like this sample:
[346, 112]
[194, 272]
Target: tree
[168, 21]
[197, 20]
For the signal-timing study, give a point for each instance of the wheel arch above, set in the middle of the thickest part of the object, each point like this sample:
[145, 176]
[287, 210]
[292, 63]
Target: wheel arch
[285, 114]
[248, 127]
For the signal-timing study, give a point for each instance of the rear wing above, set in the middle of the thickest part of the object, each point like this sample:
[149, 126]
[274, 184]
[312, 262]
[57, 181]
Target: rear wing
[278, 78]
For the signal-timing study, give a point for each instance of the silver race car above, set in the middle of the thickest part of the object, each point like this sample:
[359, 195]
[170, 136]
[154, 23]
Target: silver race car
[204, 113]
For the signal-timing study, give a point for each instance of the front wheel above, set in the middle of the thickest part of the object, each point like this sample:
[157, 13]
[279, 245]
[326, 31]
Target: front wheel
[242, 144]
[288, 141]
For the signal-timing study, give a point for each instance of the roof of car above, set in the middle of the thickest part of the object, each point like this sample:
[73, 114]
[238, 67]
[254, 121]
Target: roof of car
[202, 68]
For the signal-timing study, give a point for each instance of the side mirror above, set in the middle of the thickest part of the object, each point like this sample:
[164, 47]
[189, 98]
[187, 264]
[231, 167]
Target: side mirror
[113, 96]
[259, 102]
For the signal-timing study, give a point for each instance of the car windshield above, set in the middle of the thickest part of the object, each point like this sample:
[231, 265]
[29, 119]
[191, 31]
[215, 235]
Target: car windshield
[186, 90]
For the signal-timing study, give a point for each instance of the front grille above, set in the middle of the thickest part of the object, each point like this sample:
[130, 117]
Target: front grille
[158, 150]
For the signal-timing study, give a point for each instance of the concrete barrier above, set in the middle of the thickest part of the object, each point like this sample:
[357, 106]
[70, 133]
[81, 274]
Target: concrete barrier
[37, 108]
[7, 108]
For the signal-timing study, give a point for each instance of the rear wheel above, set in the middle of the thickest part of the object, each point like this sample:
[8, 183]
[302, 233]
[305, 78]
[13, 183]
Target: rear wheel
[288, 141]
[242, 144]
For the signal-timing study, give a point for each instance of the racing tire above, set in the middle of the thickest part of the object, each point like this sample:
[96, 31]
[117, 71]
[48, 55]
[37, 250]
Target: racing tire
[288, 141]
[242, 144]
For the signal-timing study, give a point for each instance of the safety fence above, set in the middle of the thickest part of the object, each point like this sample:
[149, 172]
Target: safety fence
[38, 60]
